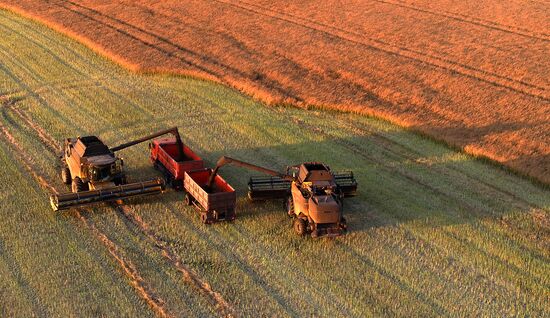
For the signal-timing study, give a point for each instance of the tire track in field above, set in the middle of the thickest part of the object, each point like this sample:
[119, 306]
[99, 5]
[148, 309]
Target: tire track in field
[386, 143]
[523, 204]
[216, 299]
[14, 267]
[94, 81]
[162, 39]
[471, 20]
[136, 280]
[272, 84]
[390, 169]
[417, 56]
[222, 246]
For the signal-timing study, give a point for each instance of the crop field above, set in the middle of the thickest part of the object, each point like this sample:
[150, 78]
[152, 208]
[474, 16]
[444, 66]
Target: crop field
[471, 73]
[433, 232]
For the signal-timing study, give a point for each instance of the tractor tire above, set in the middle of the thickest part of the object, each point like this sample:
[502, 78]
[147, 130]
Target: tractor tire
[289, 204]
[66, 175]
[300, 227]
[77, 185]
[187, 199]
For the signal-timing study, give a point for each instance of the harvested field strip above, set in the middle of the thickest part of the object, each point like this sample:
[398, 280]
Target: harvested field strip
[422, 57]
[216, 299]
[129, 269]
[432, 231]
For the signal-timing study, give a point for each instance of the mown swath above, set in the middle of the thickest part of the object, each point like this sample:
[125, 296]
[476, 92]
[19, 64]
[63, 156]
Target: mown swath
[190, 276]
[141, 286]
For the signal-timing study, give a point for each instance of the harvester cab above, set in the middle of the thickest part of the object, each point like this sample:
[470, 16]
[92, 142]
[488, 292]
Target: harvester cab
[312, 193]
[88, 164]
[96, 174]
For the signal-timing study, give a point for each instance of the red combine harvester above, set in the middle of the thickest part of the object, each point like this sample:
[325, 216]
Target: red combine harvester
[171, 157]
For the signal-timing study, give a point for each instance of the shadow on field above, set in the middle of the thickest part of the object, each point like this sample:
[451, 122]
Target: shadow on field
[533, 162]
[397, 184]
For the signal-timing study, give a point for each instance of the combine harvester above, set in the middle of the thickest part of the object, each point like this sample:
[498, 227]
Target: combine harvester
[96, 174]
[313, 194]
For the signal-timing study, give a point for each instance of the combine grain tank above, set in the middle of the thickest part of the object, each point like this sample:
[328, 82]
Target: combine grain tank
[216, 202]
[173, 159]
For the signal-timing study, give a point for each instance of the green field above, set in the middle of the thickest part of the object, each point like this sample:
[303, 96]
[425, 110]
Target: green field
[433, 232]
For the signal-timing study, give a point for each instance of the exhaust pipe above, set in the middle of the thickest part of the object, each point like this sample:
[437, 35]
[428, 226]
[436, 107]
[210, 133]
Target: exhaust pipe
[69, 200]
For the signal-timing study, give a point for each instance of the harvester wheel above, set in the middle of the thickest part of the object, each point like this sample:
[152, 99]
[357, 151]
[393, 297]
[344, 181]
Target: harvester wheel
[187, 199]
[230, 215]
[77, 185]
[344, 224]
[300, 227]
[204, 217]
[290, 206]
[66, 175]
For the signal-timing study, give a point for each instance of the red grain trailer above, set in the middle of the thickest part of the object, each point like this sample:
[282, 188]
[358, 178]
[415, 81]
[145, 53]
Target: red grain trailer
[214, 204]
[173, 159]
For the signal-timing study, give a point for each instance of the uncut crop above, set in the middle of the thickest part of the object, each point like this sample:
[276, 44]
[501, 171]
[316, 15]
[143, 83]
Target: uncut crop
[473, 74]
[432, 232]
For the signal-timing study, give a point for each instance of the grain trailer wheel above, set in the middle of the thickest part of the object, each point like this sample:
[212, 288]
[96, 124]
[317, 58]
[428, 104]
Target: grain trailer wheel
[187, 199]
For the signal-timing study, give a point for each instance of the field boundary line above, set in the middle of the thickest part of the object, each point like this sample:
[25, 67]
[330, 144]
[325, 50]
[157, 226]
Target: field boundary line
[420, 57]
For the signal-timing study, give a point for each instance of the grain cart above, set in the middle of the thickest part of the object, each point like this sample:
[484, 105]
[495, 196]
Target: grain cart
[173, 159]
[96, 174]
[215, 202]
[313, 194]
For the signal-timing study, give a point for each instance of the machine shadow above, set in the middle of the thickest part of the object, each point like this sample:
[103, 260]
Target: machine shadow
[396, 183]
